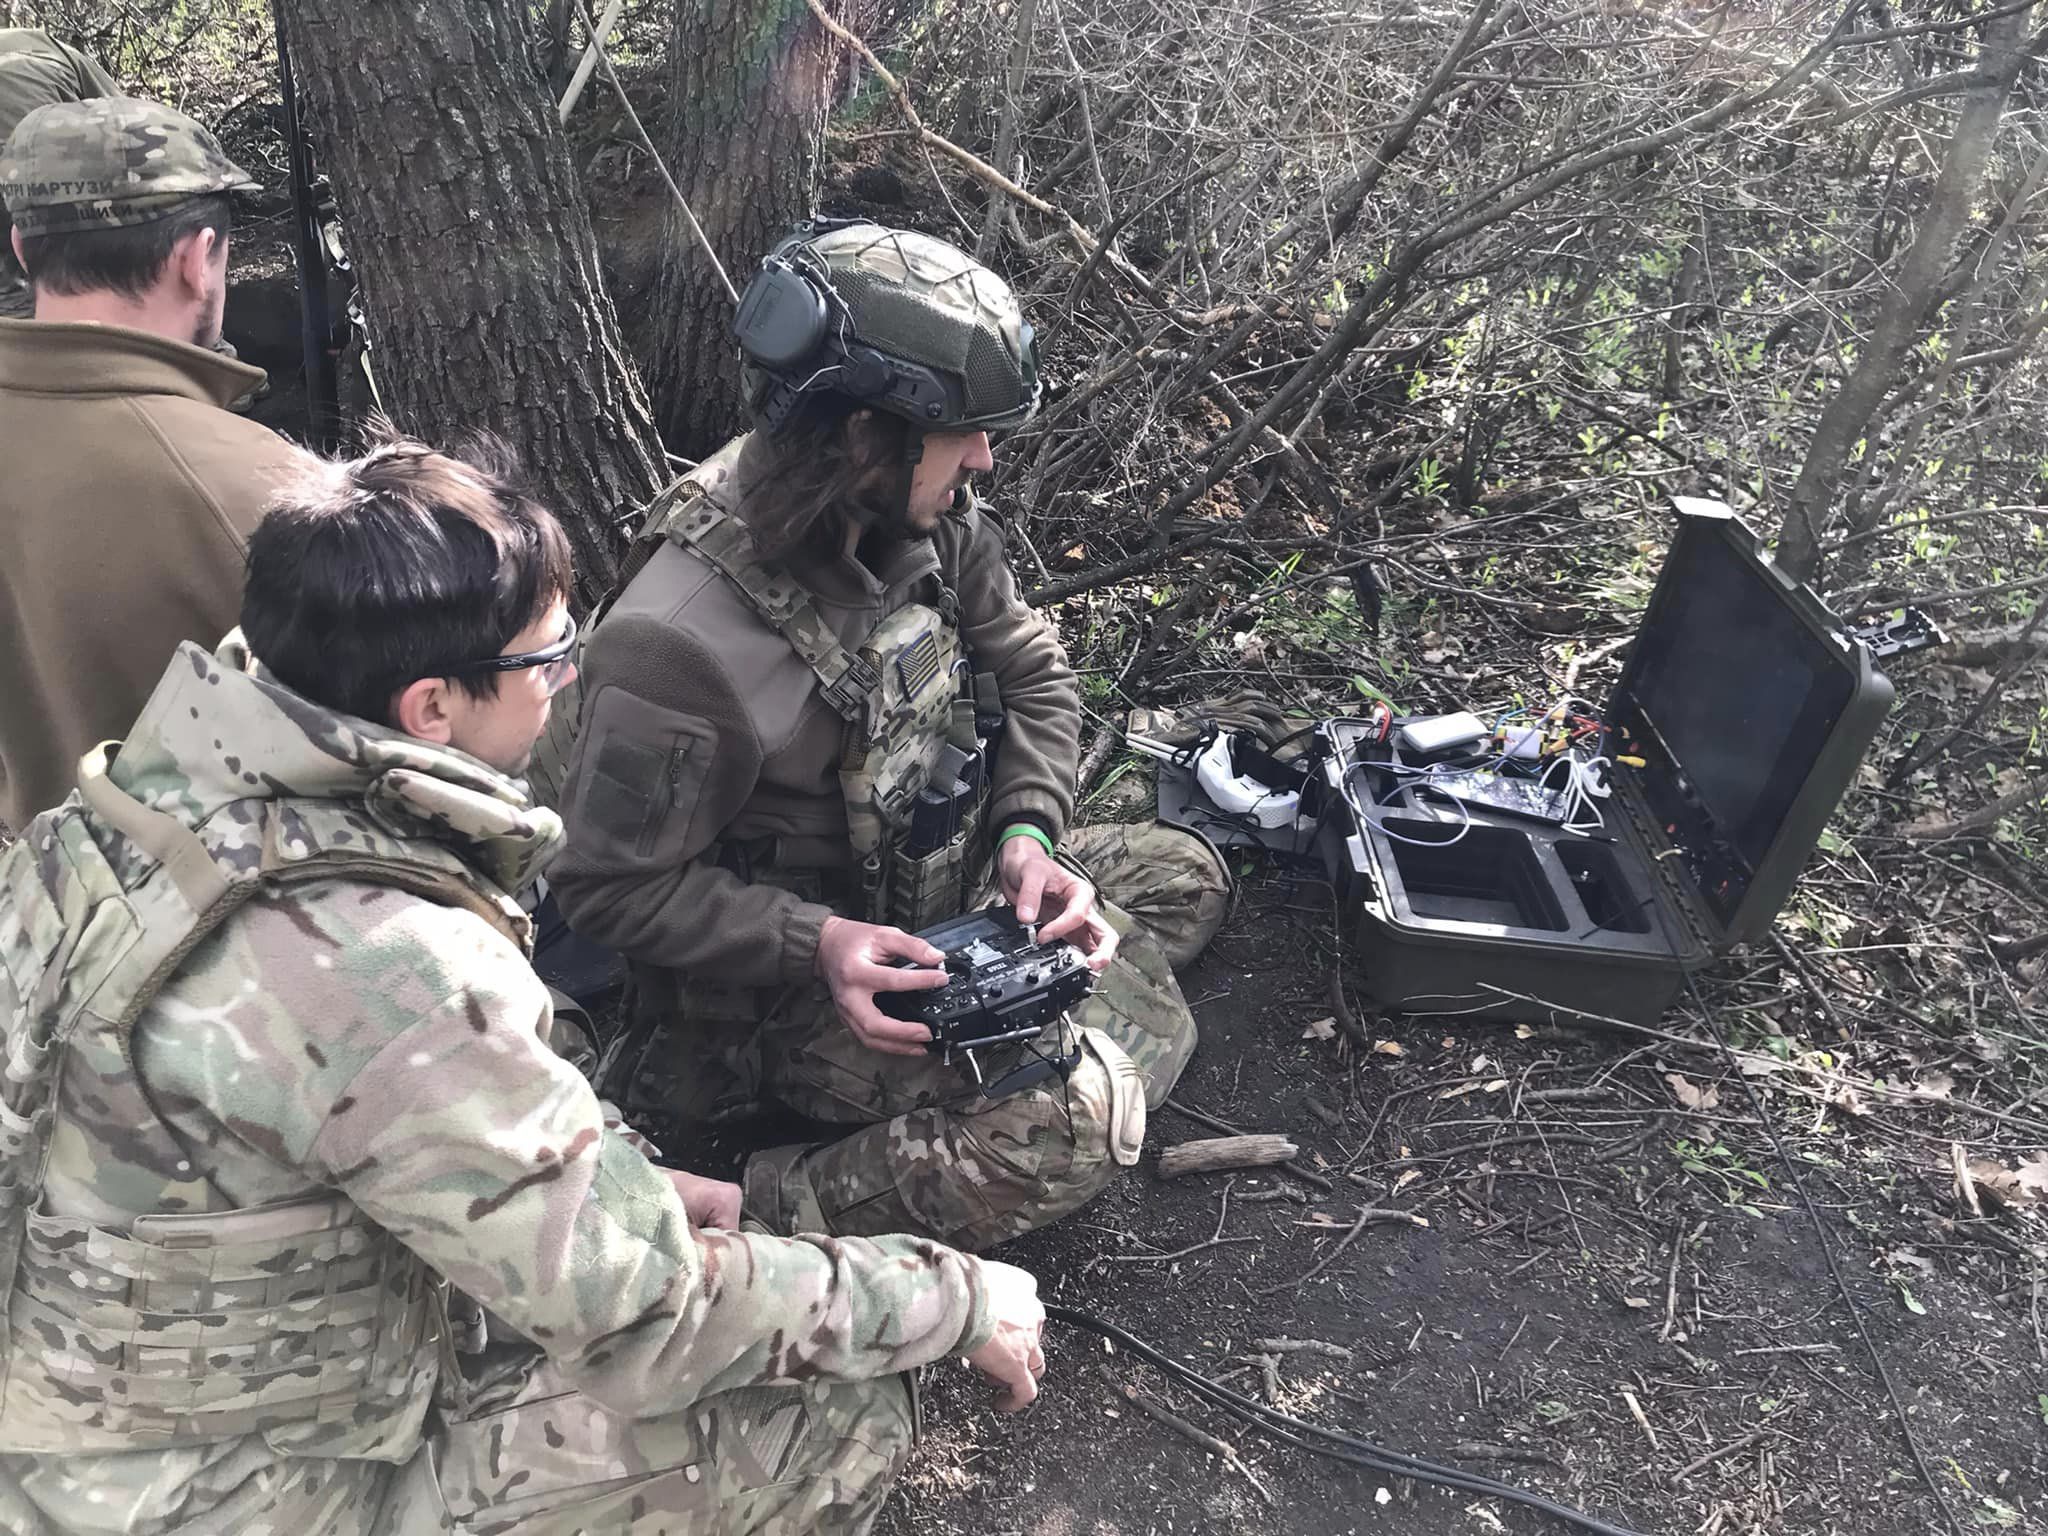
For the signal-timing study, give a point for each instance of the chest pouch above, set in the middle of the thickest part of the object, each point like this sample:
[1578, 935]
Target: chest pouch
[914, 771]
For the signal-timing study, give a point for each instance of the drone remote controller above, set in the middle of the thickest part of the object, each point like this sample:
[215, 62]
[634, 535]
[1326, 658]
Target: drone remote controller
[1003, 986]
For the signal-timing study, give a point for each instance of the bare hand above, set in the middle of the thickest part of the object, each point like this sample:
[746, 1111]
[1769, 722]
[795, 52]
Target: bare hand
[854, 960]
[1015, 1357]
[1035, 882]
[708, 1202]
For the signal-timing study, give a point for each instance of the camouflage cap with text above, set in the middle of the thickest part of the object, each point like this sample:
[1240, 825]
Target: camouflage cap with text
[109, 163]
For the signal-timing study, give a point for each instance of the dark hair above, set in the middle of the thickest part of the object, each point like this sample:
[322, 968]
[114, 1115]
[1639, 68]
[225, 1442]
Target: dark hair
[372, 572]
[128, 259]
[821, 461]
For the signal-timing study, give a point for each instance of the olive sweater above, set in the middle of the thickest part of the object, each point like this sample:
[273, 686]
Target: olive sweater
[700, 727]
[127, 491]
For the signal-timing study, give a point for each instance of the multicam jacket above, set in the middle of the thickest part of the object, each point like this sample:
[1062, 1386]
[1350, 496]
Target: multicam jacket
[231, 1272]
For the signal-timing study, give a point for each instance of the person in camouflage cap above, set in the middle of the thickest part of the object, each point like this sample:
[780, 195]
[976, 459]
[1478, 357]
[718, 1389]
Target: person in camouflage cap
[140, 490]
[304, 1227]
[818, 719]
[37, 69]
[136, 178]
[115, 162]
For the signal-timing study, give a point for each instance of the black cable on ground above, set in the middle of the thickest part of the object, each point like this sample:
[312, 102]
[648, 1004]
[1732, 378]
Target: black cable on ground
[1827, 1250]
[1306, 1436]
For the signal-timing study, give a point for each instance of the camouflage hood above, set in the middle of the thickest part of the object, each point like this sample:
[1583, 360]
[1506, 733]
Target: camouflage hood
[221, 728]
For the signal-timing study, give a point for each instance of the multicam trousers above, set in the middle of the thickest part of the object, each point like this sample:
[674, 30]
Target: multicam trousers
[930, 1153]
[761, 1461]
[532, 1458]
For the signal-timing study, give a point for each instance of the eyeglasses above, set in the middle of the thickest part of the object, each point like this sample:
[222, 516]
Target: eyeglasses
[554, 660]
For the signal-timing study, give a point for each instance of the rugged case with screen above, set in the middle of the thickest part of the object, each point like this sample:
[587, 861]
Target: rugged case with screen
[1752, 710]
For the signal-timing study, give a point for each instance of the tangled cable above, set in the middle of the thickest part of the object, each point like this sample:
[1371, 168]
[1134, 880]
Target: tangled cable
[1306, 1436]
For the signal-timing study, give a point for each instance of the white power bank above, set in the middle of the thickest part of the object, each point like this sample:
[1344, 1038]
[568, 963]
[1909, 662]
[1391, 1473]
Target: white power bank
[1440, 732]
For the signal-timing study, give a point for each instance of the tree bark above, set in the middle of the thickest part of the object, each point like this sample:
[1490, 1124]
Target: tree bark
[750, 85]
[1849, 412]
[473, 250]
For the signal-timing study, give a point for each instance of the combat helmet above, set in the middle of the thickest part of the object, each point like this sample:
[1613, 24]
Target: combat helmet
[893, 319]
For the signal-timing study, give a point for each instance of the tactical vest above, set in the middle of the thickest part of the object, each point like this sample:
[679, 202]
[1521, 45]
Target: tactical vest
[301, 1320]
[914, 765]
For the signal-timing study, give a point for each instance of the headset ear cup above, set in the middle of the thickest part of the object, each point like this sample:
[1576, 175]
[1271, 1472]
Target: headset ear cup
[781, 320]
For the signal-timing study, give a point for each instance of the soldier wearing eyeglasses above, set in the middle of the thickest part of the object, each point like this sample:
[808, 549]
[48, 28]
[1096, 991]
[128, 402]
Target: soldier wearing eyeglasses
[304, 1227]
[818, 719]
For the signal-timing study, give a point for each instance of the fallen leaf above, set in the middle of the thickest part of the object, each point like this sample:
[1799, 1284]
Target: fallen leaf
[1480, 1063]
[1935, 1085]
[1389, 1048]
[1407, 1178]
[1976, 679]
[1320, 1029]
[1691, 1094]
[2026, 1185]
[1525, 1032]
[1495, 1086]
[1927, 825]
[1758, 1066]
[1849, 1099]
[2033, 1175]
[1640, 1303]
[1983, 1047]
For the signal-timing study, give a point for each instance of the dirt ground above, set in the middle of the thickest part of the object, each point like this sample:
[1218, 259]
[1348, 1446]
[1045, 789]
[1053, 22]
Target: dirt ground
[1583, 1259]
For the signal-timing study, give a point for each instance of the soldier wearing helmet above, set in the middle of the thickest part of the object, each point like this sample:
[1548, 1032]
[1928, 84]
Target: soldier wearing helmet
[124, 526]
[817, 719]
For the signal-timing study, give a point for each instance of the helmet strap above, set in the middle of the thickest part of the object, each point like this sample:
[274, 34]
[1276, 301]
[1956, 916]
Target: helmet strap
[913, 455]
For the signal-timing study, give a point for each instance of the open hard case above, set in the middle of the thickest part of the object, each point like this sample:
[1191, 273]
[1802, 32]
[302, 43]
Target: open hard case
[1751, 708]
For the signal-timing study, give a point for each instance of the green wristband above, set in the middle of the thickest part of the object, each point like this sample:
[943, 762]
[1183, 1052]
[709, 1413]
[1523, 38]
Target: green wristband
[1025, 829]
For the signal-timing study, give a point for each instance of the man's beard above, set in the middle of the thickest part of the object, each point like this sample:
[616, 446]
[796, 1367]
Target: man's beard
[903, 523]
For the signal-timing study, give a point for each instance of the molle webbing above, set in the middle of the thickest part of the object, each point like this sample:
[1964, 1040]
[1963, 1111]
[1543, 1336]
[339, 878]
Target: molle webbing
[306, 1314]
[119, 1340]
[778, 597]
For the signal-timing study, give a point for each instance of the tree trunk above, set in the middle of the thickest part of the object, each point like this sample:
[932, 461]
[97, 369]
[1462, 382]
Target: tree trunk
[750, 85]
[1848, 413]
[473, 250]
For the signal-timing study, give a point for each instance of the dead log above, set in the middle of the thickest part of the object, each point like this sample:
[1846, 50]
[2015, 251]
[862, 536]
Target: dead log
[1218, 1153]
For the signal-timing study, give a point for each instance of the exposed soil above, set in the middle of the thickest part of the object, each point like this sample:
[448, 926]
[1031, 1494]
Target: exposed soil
[1501, 1338]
